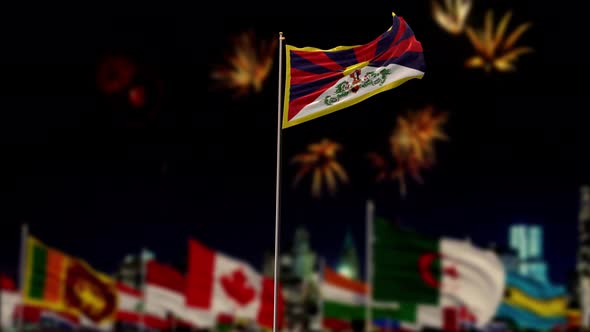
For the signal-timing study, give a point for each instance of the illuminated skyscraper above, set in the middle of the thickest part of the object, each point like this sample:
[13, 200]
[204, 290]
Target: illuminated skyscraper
[527, 243]
[297, 276]
[348, 265]
[304, 258]
[130, 269]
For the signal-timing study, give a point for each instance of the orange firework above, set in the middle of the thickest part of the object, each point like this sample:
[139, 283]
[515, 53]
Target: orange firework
[452, 16]
[247, 66]
[320, 160]
[411, 146]
[495, 50]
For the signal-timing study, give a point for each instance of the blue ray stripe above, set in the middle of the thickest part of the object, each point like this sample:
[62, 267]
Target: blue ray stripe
[344, 58]
[301, 63]
[407, 34]
[303, 89]
[386, 39]
[414, 60]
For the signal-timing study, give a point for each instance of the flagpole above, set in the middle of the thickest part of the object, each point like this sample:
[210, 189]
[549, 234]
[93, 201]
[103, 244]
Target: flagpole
[321, 277]
[21, 274]
[368, 263]
[1, 305]
[278, 188]
[143, 272]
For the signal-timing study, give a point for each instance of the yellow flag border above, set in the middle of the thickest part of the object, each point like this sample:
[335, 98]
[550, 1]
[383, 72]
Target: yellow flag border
[286, 123]
[345, 104]
[60, 305]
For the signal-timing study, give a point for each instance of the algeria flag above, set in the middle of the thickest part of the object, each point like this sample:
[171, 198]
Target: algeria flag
[446, 273]
[228, 286]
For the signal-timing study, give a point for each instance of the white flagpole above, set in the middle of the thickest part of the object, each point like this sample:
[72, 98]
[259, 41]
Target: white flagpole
[322, 268]
[142, 278]
[368, 264]
[278, 189]
[21, 275]
[1, 305]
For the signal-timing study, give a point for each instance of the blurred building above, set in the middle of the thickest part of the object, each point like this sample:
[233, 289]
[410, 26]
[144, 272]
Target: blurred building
[507, 255]
[348, 264]
[583, 264]
[304, 259]
[527, 242]
[130, 270]
[298, 275]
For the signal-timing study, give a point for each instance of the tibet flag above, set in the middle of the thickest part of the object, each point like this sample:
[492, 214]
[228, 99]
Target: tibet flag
[225, 285]
[437, 273]
[320, 82]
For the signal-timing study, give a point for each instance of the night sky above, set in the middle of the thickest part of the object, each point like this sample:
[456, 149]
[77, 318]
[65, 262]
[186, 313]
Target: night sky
[98, 178]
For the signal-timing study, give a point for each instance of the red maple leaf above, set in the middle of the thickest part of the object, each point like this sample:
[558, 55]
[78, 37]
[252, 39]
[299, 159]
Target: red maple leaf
[236, 286]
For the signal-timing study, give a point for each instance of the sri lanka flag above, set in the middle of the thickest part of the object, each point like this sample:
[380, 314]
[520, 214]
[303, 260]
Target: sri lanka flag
[319, 81]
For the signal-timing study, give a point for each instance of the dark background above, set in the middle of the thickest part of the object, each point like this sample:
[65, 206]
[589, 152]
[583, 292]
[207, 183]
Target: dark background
[98, 179]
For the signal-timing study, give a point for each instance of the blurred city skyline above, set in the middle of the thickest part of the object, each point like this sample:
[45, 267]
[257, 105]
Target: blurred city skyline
[101, 176]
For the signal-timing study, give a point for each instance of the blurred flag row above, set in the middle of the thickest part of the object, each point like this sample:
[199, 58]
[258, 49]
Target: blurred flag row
[70, 293]
[415, 282]
[418, 282]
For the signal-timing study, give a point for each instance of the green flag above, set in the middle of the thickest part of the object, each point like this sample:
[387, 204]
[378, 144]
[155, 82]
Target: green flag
[437, 274]
[396, 257]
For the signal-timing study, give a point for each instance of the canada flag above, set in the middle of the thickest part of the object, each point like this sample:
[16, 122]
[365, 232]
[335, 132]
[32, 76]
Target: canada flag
[225, 285]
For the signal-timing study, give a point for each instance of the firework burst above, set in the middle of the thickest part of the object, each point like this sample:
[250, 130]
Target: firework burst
[319, 160]
[247, 65]
[411, 147]
[115, 74]
[495, 49]
[452, 16]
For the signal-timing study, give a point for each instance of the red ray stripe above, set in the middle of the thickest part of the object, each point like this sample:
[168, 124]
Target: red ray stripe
[402, 26]
[319, 58]
[302, 77]
[366, 52]
[407, 45]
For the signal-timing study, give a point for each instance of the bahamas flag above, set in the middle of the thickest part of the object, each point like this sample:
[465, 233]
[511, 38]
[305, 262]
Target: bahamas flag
[320, 82]
[531, 304]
